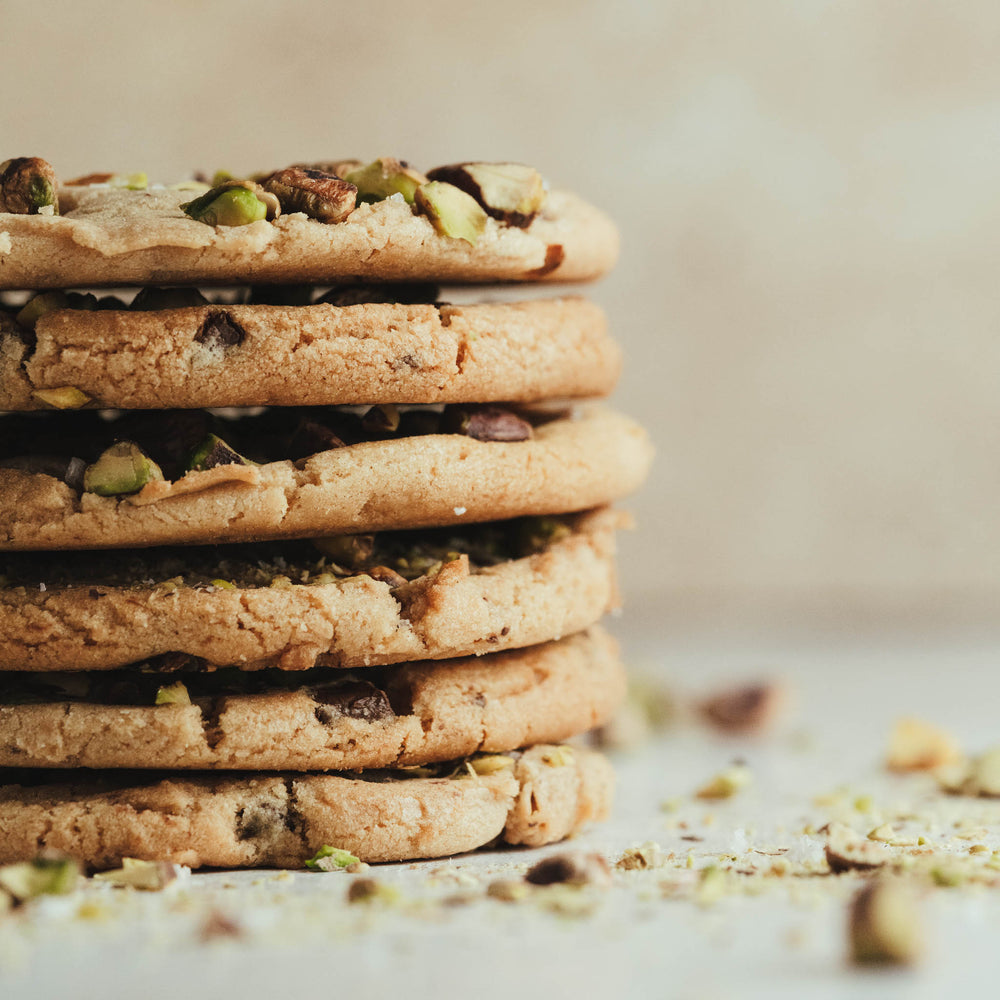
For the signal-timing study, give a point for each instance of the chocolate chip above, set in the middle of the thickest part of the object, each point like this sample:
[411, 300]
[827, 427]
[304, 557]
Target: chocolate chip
[258, 820]
[311, 437]
[392, 293]
[386, 575]
[220, 330]
[354, 699]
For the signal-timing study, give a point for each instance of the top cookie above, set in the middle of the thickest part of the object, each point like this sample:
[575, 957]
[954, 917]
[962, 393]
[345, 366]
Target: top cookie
[317, 227]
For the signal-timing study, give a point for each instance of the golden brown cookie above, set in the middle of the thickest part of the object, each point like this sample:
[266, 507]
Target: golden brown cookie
[84, 618]
[537, 797]
[108, 237]
[310, 355]
[434, 479]
[413, 713]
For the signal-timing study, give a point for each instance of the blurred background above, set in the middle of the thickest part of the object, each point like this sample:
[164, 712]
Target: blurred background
[809, 200]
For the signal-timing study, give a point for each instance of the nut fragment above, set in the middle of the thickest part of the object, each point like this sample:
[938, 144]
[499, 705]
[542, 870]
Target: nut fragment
[510, 192]
[570, 868]
[487, 423]
[845, 850]
[319, 195]
[744, 709]
[122, 468]
[149, 876]
[384, 178]
[648, 855]
[64, 397]
[173, 694]
[451, 211]
[331, 859]
[883, 925]
[980, 777]
[50, 873]
[915, 745]
[234, 203]
[370, 890]
[27, 185]
[726, 783]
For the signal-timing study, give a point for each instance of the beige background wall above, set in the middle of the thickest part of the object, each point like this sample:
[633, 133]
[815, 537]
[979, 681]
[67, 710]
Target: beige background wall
[809, 195]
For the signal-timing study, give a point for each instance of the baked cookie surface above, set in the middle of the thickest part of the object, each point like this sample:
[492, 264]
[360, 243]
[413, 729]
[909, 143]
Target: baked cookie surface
[410, 714]
[567, 464]
[536, 797]
[71, 612]
[310, 355]
[108, 237]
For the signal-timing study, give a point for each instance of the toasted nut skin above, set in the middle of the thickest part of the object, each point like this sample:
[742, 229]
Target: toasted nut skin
[27, 184]
[321, 196]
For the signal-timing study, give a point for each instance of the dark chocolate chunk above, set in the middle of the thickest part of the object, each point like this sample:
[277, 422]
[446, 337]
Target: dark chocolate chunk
[486, 423]
[220, 330]
[354, 699]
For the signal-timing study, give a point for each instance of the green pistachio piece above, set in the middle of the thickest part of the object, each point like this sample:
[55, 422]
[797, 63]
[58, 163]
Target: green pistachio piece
[47, 874]
[66, 397]
[347, 550]
[214, 451]
[223, 584]
[173, 694]
[510, 192]
[384, 178]
[233, 203]
[148, 876]
[46, 302]
[130, 182]
[331, 859]
[122, 468]
[452, 212]
[27, 185]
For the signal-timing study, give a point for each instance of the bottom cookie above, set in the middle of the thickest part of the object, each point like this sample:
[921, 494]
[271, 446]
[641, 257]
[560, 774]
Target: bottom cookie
[533, 797]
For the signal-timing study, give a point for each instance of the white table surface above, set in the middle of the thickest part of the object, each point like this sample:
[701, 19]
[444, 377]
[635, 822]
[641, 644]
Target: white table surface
[300, 938]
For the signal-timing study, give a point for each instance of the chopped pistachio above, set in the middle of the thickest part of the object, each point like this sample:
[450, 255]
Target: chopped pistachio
[123, 468]
[558, 756]
[915, 745]
[47, 874]
[648, 855]
[883, 925]
[510, 192]
[149, 876]
[213, 451]
[66, 397]
[28, 186]
[508, 890]
[712, 885]
[726, 783]
[223, 585]
[39, 305]
[173, 694]
[370, 890]
[130, 182]
[846, 849]
[233, 203]
[319, 195]
[331, 859]
[384, 178]
[487, 764]
[451, 211]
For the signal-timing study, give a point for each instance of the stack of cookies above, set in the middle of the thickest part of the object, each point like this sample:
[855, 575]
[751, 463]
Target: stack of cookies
[293, 554]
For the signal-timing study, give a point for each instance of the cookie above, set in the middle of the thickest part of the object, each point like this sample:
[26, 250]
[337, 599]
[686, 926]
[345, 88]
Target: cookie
[259, 355]
[565, 465]
[413, 713]
[112, 237]
[70, 612]
[540, 796]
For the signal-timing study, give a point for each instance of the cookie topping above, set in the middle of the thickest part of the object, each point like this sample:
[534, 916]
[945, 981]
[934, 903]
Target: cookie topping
[488, 423]
[331, 859]
[384, 178]
[452, 212]
[28, 186]
[234, 203]
[510, 192]
[354, 699]
[121, 469]
[319, 195]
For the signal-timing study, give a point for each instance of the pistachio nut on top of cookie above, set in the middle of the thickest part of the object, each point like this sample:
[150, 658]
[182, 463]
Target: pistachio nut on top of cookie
[308, 222]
